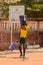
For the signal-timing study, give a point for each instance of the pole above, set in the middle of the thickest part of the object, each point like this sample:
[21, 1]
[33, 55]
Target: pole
[11, 32]
[38, 31]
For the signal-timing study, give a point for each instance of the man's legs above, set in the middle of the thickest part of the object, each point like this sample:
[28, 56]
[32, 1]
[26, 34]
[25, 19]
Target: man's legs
[24, 49]
[22, 43]
[20, 48]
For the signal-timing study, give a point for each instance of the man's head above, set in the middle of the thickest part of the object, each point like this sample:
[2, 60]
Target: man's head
[24, 23]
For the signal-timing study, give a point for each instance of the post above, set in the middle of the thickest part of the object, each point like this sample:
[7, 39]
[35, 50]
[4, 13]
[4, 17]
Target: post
[11, 32]
[38, 30]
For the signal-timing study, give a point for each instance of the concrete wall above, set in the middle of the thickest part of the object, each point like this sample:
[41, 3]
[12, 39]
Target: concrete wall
[36, 33]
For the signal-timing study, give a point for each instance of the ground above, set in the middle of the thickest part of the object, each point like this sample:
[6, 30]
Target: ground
[12, 58]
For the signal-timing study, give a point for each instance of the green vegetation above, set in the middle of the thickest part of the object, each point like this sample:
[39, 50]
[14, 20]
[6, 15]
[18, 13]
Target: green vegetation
[33, 9]
[38, 6]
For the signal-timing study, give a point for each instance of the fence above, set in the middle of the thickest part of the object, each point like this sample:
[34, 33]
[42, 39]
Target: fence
[36, 34]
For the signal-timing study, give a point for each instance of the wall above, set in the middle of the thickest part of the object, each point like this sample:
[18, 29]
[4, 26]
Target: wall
[36, 33]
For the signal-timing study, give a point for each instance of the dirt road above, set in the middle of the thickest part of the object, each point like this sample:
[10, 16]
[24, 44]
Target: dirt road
[32, 58]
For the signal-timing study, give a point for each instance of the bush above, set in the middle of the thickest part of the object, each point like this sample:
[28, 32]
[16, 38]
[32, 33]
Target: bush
[30, 13]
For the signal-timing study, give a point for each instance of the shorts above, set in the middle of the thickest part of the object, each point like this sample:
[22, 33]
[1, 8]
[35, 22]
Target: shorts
[22, 41]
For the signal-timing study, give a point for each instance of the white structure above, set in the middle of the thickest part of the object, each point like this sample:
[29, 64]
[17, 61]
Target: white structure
[15, 12]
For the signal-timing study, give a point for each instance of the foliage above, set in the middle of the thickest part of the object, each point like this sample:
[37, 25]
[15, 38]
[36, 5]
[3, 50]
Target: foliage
[31, 13]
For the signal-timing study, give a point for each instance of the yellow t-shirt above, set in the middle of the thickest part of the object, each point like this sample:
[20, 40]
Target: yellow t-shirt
[23, 33]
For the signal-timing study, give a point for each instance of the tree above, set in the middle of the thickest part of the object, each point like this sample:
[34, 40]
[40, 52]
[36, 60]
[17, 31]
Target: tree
[28, 2]
[2, 8]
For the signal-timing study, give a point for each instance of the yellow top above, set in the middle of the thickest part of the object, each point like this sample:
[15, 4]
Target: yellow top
[23, 32]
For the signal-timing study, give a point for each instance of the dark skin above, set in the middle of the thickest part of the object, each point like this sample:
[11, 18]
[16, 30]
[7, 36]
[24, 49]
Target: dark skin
[24, 23]
[20, 48]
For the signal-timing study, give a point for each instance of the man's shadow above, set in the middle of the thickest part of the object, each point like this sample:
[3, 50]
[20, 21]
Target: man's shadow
[3, 56]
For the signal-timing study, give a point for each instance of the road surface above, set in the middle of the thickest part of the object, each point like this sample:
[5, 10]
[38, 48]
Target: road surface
[12, 58]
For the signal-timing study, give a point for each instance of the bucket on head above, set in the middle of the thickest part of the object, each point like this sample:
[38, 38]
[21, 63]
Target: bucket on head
[21, 17]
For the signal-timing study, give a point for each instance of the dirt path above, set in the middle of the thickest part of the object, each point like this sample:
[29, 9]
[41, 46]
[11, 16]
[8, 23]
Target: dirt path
[32, 58]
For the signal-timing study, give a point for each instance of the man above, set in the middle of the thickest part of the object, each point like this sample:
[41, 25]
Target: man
[22, 36]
